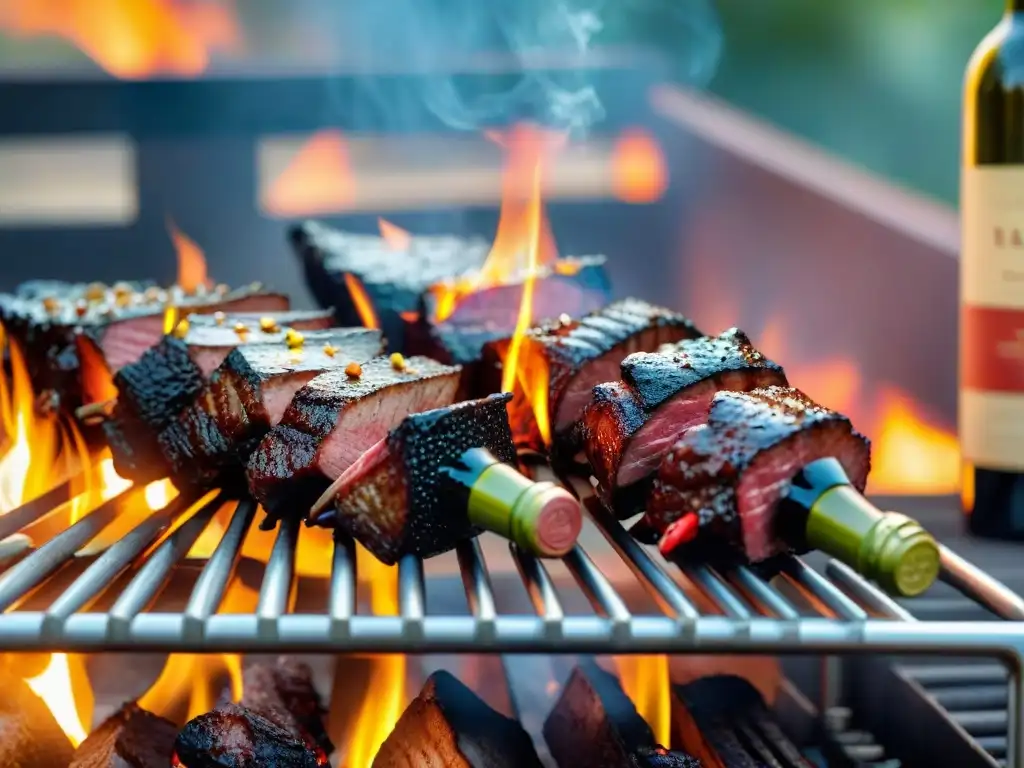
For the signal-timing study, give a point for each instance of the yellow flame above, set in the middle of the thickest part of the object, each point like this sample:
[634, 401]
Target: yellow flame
[64, 687]
[397, 238]
[382, 705]
[645, 679]
[367, 314]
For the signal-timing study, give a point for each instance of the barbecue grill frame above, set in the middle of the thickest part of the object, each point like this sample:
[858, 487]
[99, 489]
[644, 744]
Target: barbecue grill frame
[757, 616]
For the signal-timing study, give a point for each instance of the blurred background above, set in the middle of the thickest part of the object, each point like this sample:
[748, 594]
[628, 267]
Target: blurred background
[788, 166]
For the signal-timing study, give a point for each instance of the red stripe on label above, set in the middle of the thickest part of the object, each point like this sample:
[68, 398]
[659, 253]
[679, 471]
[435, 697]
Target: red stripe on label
[992, 349]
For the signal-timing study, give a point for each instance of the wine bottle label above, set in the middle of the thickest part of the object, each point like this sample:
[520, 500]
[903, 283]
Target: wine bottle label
[992, 317]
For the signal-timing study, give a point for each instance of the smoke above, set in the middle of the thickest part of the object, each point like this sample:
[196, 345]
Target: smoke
[480, 63]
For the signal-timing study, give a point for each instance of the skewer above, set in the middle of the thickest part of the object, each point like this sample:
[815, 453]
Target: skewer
[95, 413]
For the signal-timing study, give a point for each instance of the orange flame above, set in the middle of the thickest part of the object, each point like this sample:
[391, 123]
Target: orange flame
[639, 170]
[645, 679]
[385, 695]
[318, 180]
[191, 261]
[363, 304]
[912, 452]
[523, 242]
[64, 687]
[132, 38]
[397, 238]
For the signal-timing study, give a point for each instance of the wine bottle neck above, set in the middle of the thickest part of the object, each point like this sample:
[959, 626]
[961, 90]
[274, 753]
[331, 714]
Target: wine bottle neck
[1014, 6]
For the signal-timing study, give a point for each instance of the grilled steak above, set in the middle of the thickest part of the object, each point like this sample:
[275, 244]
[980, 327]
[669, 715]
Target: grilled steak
[130, 737]
[248, 394]
[119, 323]
[232, 736]
[283, 693]
[449, 725]
[723, 721]
[123, 340]
[153, 391]
[391, 499]
[566, 359]
[333, 421]
[629, 425]
[594, 723]
[394, 280]
[732, 470]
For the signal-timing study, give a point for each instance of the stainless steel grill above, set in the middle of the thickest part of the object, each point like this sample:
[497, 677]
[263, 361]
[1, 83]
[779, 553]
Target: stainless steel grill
[798, 610]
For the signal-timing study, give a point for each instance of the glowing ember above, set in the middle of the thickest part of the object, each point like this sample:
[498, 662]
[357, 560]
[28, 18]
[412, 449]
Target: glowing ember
[191, 264]
[645, 679]
[523, 242]
[385, 695]
[363, 305]
[639, 170]
[132, 39]
[318, 180]
[396, 237]
[65, 689]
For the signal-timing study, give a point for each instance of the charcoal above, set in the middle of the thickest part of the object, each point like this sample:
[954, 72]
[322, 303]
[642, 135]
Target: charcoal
[130, 737]
[395, 499]
[723, 721]
[233, 736]
[283, 693]
[449, 725]
[29, 735]
[595, 724]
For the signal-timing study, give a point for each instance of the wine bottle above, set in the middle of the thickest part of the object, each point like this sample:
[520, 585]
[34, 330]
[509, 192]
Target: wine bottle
[991, 397]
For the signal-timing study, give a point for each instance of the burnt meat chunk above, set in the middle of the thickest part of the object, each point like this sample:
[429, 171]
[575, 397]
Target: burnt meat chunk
[333, 421]
[723, 721]
[29, 735]
[283, 693]
[395, 499]
[449, 725]
[732, 471]
[629, 425]
[560, 362]
[232, 736]
[595, 724]
[248, 394]
[130, 737]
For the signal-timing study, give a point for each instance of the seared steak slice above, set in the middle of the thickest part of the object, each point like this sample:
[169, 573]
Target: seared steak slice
[732, 470]
[630, 425]
[449, 725]
[236, 737]
[130, 737]
[248, 394]
[389, 499]
[154, 390]
[723, 721]
[123, 340]
[563, 361]
[283, 693]
[333, 421]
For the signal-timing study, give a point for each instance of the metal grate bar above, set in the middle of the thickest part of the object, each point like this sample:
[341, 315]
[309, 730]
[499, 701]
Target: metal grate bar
[596, 587]
[112, 563]
[34, 509]
[974, 583]
[763, 593]
[867, 593]
[213, 581]
[277, 592]
[152, 576]
[712, 585]
[477, 582]
[821, 588]
[35, 568]
[344, 581]
[412, 592]
[539, 586]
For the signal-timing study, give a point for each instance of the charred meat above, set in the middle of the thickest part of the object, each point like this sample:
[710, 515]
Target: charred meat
[724, 722]
[283, 693]
[248, 394]
[334, 420]
[595, 724]
[449, 725]
[232, 736]
[153, 391]
[727, 475]
[631, 424]
[560, 363]
[394, 499]
[130, 737]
